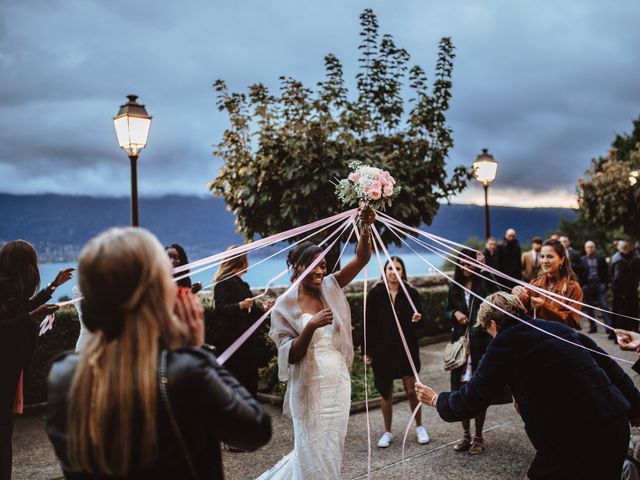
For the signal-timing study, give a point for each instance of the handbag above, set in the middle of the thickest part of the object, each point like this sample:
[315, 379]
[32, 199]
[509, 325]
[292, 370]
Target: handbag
[455, 353]
[163, 381]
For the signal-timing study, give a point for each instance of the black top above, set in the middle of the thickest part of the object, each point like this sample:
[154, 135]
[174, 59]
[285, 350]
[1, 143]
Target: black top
[209, 404]
[18, 335]
[384, 344]
[456, 302]
[491, 259]
[510, 260]
[603, 271]
[562, 390]
[227, 296]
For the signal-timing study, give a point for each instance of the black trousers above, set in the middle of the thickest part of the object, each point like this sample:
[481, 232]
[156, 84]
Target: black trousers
[597, 454]
[6, 449]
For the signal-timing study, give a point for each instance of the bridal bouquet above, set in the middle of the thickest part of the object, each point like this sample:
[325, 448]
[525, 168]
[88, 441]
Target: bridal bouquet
[367, 185]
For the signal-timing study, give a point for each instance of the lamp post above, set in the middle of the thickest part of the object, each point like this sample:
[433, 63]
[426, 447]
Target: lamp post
[132, 124]
[484, 169]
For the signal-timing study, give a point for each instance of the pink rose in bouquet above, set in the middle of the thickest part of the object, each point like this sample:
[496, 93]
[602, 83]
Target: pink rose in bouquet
[367, 185]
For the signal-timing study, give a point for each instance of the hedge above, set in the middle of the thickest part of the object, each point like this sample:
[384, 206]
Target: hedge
[62, 338]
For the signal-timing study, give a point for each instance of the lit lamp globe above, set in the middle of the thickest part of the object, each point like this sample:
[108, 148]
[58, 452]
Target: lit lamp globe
[485, 168]
[132, 124]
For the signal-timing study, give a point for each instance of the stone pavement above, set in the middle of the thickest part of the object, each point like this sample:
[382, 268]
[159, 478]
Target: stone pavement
[507, 457]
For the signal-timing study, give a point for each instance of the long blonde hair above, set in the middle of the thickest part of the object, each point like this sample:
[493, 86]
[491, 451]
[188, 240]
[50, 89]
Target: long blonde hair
[226, 269]
[126, 281]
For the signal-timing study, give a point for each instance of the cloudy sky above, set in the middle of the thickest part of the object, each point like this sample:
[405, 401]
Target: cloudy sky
[544, 84]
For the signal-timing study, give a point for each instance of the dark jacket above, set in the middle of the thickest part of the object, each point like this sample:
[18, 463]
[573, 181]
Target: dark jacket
[625, 274]
[227, 296]
[603, 271]
[478, 339]
[384, 344]
[18, 335]
[210, 407]
[575, 259]
[491, 259]
[562, 390]
[510, 260]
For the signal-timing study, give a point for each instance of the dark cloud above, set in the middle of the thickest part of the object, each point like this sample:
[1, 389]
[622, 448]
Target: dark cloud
[544, 85]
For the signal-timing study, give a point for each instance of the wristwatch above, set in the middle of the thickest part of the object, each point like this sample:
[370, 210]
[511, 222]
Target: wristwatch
[51, 287]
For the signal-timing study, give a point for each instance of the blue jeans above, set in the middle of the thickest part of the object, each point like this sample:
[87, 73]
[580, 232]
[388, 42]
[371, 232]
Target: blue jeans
[596, 295]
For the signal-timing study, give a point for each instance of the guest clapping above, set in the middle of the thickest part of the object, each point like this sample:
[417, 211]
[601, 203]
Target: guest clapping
[575, 403]
[19, 308]
[148, 400]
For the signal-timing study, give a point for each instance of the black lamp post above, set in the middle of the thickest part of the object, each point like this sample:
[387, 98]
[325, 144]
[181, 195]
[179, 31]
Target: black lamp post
[484, 169]
[132, 124]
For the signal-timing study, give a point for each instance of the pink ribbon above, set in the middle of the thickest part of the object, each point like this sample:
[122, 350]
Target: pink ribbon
[243, 338]
[263, 242]
[507, 313]
[541, 291]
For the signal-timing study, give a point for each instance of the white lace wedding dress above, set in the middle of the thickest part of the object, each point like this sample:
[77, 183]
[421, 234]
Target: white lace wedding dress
[319, 436]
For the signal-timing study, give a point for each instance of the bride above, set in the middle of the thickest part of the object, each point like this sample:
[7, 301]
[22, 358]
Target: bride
[311, 327]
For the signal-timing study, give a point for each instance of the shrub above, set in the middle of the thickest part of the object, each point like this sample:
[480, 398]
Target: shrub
[62, 338]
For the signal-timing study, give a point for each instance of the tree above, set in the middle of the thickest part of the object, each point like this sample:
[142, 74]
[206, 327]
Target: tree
[607, 194]
[283, 151]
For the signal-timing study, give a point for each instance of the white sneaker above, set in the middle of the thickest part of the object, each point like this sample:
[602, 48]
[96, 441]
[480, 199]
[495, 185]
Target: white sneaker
[423, 436]
[385, 440]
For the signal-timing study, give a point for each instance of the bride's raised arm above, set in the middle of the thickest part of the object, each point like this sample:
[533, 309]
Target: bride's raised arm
[363, 250]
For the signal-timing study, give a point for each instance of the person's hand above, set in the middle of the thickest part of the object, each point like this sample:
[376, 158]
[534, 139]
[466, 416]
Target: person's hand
[368, 359]
[416, 317]
[196, 287]
[63, 276]
[44, 310]
[247, 304]
[537, 302]
[189, 309]
[627, 340]
[322, 318]
[367, 215]
[426, 394]
[480, 257]
[461, 318]
[522, 293]
[268, 303]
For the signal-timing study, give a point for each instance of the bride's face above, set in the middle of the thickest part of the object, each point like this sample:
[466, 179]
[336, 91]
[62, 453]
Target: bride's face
[314, 278]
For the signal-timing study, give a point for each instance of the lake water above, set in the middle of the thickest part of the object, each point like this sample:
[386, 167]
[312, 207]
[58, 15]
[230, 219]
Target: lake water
[259, 274]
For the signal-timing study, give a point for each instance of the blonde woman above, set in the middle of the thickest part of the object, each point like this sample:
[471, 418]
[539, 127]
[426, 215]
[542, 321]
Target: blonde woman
[235, 307]
[144, 399]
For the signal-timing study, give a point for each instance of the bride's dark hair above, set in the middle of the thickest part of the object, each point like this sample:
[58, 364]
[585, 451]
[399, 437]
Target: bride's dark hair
[301, 256]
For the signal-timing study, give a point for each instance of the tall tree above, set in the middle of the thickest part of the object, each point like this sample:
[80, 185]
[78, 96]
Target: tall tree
[609, 193]
[283, 150]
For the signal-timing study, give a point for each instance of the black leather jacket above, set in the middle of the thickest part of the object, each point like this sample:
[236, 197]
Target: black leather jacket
[209, 404]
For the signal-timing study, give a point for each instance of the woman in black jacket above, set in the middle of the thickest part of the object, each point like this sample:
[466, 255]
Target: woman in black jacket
[237, 310]
[462, 309]
[148, 399]
[575, 403]
[20, 309]
[384, 346]
[179, 258]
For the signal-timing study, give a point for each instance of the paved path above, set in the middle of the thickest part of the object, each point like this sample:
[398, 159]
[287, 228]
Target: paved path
[507, 457]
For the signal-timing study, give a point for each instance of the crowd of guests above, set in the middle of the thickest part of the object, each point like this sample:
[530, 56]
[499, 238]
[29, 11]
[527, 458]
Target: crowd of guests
[586, 277]
[144, 323]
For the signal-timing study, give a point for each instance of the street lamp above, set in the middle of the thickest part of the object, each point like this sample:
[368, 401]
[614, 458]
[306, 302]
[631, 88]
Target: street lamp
[132, 124]
[484, 169]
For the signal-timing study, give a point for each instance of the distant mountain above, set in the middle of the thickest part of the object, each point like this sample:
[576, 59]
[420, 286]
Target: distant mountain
[59, 225]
